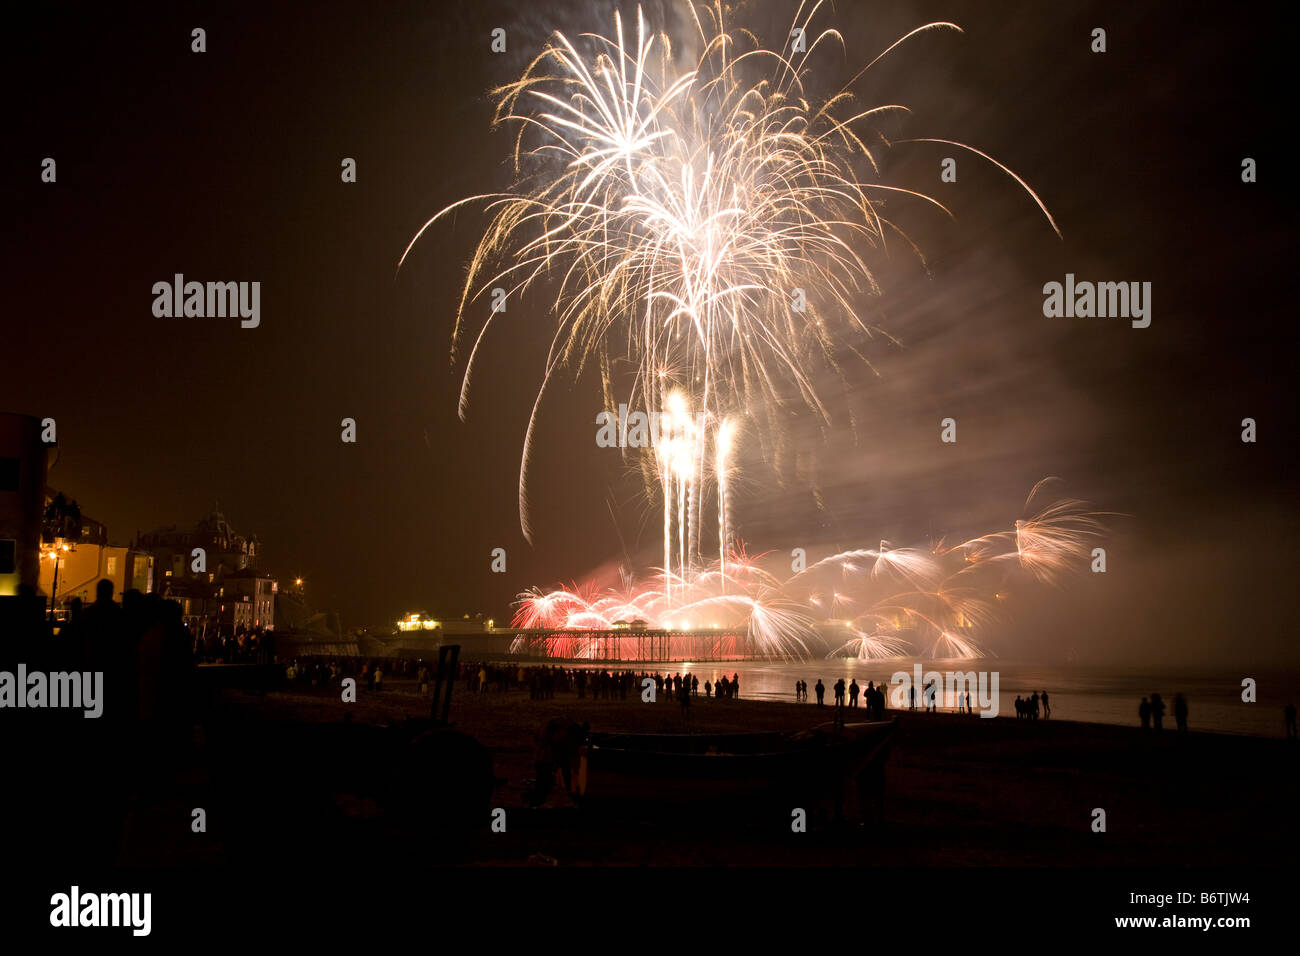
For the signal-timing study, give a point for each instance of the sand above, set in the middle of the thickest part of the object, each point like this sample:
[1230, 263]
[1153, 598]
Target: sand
[959, 790]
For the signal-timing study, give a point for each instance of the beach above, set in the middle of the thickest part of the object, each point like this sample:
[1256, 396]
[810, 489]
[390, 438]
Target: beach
[959, 791]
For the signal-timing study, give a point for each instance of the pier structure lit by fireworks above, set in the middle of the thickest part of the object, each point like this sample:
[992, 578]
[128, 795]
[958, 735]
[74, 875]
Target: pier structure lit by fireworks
[706, 237]
[938, 601]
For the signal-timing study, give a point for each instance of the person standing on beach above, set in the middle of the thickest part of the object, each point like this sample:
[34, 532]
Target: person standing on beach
[735, 685]
[931, 707]
[968, 710]
[1047, 708]
[1180, 712]
[820, 689]
[854, 690]
[839, 692]
[1144, 713]
[1157, 712]
[911, 697]
[1033, 706]
[379, 677]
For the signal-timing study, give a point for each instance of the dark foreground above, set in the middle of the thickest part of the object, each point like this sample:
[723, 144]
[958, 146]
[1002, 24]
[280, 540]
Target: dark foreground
[282, 780]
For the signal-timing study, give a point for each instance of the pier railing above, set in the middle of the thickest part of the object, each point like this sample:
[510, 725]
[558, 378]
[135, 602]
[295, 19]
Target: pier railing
[712, 644]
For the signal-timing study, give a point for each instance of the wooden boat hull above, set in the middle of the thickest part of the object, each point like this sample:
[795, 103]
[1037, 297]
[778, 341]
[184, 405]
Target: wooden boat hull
[638, 773]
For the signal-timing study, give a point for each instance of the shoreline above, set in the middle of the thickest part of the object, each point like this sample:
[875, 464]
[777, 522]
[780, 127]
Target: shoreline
[409, 688]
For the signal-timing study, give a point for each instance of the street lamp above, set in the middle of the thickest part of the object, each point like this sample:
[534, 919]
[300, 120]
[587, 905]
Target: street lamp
[56, 552]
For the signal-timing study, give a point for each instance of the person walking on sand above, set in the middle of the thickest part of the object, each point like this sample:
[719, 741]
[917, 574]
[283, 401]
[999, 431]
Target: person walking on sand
[820, 690]
[1180, 712]
[1157, 712]
[1144, 713]
[1289, 715]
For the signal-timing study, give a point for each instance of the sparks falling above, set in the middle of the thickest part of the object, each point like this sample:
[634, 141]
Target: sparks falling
[705, 234]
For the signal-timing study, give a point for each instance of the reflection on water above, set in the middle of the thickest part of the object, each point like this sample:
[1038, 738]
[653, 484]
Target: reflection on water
[1098, 695]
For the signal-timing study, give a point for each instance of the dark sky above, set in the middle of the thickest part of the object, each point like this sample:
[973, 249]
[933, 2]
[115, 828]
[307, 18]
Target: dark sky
[225, 166]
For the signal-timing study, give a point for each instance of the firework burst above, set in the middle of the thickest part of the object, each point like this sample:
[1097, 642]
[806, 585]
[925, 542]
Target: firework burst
[710, 230]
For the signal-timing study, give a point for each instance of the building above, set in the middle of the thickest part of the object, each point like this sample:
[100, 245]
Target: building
[200, 602]
[211, 570]
[82, 566]
[224, 549]
[247, 601]
[24, 461]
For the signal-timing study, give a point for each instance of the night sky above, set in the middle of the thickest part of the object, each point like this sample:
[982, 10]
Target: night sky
[225, 166]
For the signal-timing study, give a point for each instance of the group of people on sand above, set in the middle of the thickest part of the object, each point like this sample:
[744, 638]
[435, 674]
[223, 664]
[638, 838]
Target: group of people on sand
[1152, 712]
[873, 697]
[1027, 708]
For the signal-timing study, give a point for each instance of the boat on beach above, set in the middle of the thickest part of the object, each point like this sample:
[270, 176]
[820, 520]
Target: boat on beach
[739, 771]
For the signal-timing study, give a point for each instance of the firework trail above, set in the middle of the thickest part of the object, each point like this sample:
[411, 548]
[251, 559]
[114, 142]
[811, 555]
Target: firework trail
[708, 229]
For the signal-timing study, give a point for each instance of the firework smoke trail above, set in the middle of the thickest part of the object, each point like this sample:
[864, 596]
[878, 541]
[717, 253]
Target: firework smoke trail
[720, 468]
[671, 214]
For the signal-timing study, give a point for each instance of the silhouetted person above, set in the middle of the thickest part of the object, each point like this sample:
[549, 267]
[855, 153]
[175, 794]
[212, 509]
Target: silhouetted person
[1033, 706]
[798, 690]
[820, 690]
[968, 710]
[1289, 713]
[931, 704]
[735, 685]
[1020, 707]
[839, 692]
[911, 697]
[1144, 713]
[1157, 712]
[1047, 708]
[1180, 713]
[854, 690]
